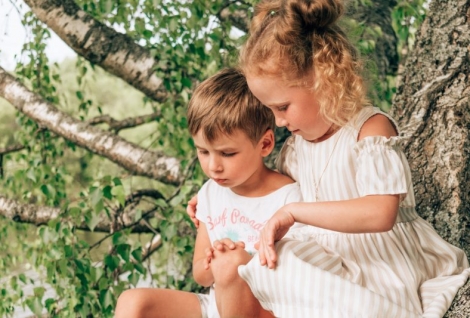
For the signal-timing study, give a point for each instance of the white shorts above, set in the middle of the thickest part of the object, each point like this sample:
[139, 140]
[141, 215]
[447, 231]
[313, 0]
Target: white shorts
[208, 305]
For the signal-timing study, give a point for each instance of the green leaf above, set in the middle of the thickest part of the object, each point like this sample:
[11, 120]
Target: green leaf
[117, 181]
[119, 238]
[35, 305]
[107, 192]
[92, 219]
[118, 192]
[112, 262]
[95, 196]
[133, 278]
[137, 254]
[31, 175]
[96, 273]
[106, 298]
[124, 251]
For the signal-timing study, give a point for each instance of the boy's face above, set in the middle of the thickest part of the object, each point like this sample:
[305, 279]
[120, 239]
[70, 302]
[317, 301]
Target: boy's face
[231, 160]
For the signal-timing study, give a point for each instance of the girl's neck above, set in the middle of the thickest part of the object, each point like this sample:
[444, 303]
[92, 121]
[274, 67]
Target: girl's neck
[330, 132]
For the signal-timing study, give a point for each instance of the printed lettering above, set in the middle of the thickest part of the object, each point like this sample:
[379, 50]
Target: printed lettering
[220, 220]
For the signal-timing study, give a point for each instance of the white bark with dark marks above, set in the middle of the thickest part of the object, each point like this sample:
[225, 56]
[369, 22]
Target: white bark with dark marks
[113, 51]
[135, 159]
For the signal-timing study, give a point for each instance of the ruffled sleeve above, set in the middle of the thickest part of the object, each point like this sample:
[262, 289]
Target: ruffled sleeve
[286, 162]
[381, 166]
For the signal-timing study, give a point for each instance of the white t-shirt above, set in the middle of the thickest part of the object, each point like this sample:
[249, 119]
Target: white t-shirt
[229, 215]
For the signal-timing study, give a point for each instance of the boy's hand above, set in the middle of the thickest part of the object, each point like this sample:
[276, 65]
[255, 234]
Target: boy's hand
[191, 210]
[273, 231]
[226, 243]
[209, 256]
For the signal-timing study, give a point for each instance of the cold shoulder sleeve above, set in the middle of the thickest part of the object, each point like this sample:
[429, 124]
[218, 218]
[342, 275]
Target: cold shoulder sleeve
[381, 166]
[286, 162]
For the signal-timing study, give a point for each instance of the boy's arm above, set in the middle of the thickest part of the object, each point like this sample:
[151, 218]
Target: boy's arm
[201, 275]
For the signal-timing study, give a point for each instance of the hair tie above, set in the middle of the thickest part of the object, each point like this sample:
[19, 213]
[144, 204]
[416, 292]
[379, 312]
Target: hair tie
[273, 12]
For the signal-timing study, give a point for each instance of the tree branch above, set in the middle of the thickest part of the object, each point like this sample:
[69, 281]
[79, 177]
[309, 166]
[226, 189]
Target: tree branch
[135, 159]
[39, 215]
[10, 149]
[118, 125]
[115, 52]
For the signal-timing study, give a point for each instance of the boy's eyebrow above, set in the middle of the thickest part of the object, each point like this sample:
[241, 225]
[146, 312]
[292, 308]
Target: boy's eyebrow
[221, 148]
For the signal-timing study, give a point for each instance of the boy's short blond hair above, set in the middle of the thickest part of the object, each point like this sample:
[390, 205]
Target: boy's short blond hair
[224, 103]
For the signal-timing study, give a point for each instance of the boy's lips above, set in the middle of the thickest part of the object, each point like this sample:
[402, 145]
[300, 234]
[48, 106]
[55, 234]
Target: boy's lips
[219, 180]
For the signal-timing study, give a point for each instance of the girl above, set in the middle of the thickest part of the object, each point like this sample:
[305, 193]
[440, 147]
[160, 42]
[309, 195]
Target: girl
[365, 251]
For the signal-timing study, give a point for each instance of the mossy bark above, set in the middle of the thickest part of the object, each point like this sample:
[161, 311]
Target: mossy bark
[432, 108]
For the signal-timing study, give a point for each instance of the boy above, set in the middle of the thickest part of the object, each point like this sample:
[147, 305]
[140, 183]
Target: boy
[232, 132]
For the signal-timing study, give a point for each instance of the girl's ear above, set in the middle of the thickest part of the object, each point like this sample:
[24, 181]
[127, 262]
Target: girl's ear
[267, 143]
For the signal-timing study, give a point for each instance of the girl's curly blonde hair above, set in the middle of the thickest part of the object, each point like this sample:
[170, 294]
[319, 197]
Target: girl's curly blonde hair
[301, 42]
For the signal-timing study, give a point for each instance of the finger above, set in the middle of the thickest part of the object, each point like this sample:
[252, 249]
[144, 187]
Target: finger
[240, 244]
[261, 253]
[272, 258]
[228, 242]
[218, 245]
[209, 252]
[207, 263]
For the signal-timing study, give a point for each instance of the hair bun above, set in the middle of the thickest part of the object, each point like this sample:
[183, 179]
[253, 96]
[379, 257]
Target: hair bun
[313, 14]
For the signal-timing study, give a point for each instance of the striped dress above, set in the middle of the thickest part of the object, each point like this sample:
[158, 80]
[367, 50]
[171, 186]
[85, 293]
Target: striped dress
[409, 271]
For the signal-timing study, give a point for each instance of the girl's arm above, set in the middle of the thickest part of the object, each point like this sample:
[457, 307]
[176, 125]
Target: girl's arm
[202, 275]
[368, 214]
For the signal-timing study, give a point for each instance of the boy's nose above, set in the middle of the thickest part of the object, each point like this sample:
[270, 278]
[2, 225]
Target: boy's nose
[214, 165]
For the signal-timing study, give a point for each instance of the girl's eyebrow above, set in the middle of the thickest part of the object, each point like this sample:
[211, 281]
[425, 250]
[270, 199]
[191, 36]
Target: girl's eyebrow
[277, 104]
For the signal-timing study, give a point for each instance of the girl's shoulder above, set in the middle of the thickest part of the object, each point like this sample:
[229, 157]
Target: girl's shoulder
[371, 121]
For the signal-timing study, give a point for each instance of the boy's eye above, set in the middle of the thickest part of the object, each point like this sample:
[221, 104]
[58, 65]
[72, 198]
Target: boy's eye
[282, 108]
[203, 152]
[228, 154]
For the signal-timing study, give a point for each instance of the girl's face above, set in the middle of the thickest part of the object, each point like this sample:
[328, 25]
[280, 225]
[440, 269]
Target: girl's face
[294, 107]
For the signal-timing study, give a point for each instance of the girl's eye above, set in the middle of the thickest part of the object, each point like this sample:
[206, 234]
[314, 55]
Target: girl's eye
[282, 108]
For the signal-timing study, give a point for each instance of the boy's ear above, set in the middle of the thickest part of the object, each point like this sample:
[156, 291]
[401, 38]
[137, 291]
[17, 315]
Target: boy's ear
[267, 143]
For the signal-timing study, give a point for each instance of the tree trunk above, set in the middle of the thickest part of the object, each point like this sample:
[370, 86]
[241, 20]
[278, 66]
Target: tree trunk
[432, 108]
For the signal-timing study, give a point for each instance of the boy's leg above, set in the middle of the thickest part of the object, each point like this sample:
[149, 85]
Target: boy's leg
[151, 302]
[233, 295]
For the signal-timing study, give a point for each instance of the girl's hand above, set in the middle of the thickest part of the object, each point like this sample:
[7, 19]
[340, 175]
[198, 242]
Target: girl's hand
[191, 210]
[273, 231]
[227, 243]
